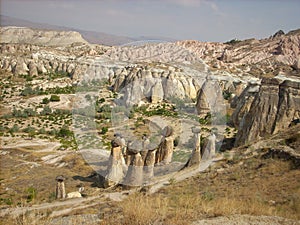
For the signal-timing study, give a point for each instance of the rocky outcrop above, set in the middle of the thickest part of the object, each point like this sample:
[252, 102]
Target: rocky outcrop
[154, 85]
[275, 106]
[242, 103]
[288, 108]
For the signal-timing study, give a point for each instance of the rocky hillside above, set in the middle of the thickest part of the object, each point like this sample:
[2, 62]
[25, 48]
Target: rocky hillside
[256, 57]
[67, 107]
[23, 35]
[161, 71]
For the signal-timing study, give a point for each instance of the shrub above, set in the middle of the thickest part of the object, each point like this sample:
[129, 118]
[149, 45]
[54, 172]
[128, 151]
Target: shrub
[45, 101]
[64, 132]
[46, 110]
[30, 112]
[27, 91]
[14, 129]
[54, 98]
[227, 95]
[101, 100]
[29, 129]
[233, 41]
[104, 130]
[31, 194]
[42, 131]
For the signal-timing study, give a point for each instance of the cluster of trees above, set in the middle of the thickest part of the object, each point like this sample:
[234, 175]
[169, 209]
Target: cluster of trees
[29, 112]
[63, 132]
[29, 91]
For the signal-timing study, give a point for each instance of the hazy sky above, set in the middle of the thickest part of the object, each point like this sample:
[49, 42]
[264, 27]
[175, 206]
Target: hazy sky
[204, 20]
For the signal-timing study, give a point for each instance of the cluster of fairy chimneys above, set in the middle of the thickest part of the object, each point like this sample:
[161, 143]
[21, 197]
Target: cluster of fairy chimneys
[134, 166]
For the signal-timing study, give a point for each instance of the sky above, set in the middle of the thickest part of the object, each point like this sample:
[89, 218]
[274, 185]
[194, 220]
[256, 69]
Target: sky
[203, 20]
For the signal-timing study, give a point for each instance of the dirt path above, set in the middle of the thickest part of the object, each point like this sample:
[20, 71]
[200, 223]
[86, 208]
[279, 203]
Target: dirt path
[66, 203]
[179, 176]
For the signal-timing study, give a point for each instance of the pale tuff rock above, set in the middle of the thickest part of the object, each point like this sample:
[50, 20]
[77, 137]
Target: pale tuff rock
[209, 147]
[32, 69]
[196, 153]
[75, 194]
[259, 120]
[129, 153]
[145, 147]
[60, 187]
[20, 67]
[116, 167]
[157, 93]
[140, 158]
[204, 50]
[149, 165]
[273, 108]
[41, 68]
[209, 98]
[134, 176]
[165, 150]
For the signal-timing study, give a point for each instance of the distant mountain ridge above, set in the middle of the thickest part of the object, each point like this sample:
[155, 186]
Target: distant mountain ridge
[24, 35]
[93, 37]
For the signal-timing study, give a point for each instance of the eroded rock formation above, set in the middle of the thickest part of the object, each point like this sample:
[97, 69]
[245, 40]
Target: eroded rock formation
[274, 107]
[116, 166]
[209, 147]
[165, 150]
[196, 153]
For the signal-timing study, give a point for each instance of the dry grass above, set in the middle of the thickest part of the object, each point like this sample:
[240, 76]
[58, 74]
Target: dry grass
[17, 175]
[183, 209]
[246, 188]
[256, 187]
